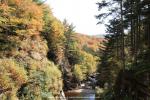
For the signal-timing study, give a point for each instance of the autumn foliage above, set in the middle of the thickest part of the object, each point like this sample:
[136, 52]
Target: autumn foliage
[38, 53]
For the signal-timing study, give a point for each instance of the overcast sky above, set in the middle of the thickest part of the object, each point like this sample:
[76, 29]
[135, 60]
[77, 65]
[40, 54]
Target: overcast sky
[79, 12]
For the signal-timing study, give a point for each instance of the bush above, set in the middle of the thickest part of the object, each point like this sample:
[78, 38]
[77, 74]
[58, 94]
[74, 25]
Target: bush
[78, 72]
[12, 76]
[87, 66]
[44, 81]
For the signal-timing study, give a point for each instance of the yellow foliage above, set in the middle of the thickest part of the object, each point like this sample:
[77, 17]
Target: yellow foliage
[5, 81]
[57, 27]
[78, 72]
[90, 62]
[56, 38]
[22, 15]
[14, 71]
[87, 66]
[23, 18]
[55, 79]
[47, 78]
[12, 76]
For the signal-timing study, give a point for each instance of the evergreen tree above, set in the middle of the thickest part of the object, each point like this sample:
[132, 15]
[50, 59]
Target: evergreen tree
[133, 49]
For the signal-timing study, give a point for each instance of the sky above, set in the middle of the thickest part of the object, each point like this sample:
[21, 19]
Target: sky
[81, 13]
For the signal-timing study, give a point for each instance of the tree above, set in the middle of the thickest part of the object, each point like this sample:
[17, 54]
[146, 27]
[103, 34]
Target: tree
[71, 47]
[26, 73]
[132, 47]
[24, 20]
[54, 33]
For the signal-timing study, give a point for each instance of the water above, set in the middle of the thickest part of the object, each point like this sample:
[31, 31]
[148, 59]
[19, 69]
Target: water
[85, 95]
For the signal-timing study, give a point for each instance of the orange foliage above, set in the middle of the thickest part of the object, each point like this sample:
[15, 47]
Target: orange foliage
[24, 14]
[91, 41]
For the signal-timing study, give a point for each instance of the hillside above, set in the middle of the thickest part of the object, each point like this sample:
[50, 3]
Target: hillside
[92, 42]
[39, 59]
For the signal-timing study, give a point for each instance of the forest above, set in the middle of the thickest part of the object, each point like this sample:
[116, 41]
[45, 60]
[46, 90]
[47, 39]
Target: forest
[42, 57]
[124, 68]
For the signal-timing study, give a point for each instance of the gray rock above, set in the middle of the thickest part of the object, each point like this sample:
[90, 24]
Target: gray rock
[36, 55]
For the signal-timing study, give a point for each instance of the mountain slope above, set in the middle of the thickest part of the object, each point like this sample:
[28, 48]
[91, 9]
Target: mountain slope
[92, 42]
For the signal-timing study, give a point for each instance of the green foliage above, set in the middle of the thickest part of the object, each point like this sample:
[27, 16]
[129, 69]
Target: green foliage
[89, 50]
[40, 2]
[25, 70]
[71, 47]
[86, 67]
[54, 33]
[78, 72]
[12, 76]
[44, 81]
[7, 44]
[125, 58]
[89, 62]
[109, 63]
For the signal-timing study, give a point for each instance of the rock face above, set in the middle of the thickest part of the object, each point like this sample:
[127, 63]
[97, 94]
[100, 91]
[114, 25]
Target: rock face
[36, 55]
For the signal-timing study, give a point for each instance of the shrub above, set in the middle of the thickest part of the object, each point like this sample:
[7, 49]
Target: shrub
[12, 76]
[44, 81]
[78, 72]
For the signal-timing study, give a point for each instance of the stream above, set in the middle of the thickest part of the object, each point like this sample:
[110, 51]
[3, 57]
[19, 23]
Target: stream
[80, 94]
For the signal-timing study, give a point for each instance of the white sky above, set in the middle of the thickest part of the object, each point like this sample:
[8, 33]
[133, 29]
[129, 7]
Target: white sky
[79, 12]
